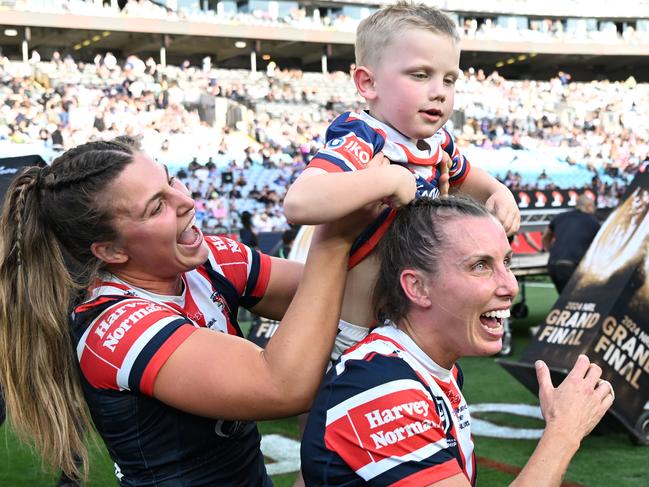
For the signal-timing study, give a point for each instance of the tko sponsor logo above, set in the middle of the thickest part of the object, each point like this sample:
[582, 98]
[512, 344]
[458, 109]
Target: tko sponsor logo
[128, 314]
[353, 149]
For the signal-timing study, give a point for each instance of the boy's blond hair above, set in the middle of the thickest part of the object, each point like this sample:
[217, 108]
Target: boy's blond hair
[378, 30]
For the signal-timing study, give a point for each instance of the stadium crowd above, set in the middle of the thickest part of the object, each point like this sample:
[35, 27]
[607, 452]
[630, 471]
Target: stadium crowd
[242, 153]
[343, 18]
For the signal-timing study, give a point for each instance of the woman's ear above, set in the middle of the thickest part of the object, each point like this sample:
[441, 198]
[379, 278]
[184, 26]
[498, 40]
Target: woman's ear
[415, 287]
[364, 81]
[109, 252]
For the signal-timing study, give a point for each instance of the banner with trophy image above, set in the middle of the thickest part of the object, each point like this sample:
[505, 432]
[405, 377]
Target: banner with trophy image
[604, 313]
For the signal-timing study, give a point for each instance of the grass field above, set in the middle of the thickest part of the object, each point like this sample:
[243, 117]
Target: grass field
[603, 461]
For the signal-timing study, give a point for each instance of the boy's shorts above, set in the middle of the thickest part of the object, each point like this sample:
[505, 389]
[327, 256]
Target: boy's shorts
[348, 335]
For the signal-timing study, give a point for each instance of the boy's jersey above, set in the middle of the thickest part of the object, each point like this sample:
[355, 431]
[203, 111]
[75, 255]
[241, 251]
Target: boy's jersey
[388, 415]
[354, 138]
[124, 335]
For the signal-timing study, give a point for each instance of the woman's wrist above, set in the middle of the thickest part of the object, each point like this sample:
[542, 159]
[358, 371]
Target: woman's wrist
[562, 439]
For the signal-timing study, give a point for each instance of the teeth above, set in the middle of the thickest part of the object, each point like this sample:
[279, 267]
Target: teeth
[500, 313]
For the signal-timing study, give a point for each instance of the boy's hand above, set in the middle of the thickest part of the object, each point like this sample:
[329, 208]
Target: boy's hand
[503, 205]
[405, 186]
[400, 179]
[444, 168]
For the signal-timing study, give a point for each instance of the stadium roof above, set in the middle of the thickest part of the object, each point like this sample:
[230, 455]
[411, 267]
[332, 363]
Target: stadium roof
[300, 48]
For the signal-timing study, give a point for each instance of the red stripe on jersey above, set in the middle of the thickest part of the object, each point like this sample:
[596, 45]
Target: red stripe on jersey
[392, 425]
[160, 358]
[372, 337]
[265, 265]
[474, 466]
[325, 165]
[455, 371]
[447, 138]
[232, 258]
[112, 336]
[203, 272]
[96, 302]
[381, 132]
[431, 475]
[455, 435]
[467, 170]
[99, 373]
[369, 245]
[421, 161]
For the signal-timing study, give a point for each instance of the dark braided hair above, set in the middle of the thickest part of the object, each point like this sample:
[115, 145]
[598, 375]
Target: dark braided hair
[50, 218]
[415, 240]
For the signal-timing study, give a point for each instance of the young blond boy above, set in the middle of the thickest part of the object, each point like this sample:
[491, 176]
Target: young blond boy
[407, 58]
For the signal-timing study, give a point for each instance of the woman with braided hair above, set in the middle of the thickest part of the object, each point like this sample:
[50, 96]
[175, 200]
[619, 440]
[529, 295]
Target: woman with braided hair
[115, 311]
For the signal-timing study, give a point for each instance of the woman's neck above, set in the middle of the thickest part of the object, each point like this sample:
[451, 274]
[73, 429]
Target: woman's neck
[167, 287]
[428, 342]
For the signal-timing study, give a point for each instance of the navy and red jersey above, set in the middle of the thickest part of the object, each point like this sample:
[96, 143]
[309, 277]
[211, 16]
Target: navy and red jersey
[354, 138]
[124, 335]
[387, 414]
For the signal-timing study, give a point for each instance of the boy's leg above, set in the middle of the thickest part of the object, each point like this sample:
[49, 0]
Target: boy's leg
[348, 336]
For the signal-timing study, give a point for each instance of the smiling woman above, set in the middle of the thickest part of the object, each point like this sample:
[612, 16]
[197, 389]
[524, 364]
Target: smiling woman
[114, 306]
[392, 410]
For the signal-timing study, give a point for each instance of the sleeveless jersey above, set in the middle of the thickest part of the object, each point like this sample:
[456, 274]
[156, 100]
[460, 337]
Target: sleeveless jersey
[124, 335]
[388, 415]
[354, 138]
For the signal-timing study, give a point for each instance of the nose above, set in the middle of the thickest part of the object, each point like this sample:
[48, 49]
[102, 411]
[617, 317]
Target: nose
[436, 89]
[183, 199]
[507, 284]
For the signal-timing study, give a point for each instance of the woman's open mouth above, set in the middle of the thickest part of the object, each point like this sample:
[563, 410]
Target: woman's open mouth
[494, 321]
[191, 236]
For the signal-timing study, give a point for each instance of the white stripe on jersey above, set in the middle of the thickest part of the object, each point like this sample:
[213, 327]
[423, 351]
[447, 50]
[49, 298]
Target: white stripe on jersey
[373, 469]
[340, 410]
[396, 153]
[200, 290]
[138, 345]
[82, 342]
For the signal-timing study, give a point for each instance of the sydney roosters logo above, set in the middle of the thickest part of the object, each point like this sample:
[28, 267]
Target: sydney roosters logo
[221, 303]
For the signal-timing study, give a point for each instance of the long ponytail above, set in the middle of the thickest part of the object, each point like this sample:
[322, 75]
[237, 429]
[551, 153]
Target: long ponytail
[49, 219]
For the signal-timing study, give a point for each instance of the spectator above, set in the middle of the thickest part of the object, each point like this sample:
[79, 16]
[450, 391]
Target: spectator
[567, 238]
[247, 235]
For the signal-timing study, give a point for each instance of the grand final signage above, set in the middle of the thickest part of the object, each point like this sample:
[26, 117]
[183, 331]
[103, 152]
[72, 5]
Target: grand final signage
[604, 313]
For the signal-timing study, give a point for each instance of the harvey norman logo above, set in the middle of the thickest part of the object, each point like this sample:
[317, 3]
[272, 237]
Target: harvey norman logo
[128, 314]
[401, 422]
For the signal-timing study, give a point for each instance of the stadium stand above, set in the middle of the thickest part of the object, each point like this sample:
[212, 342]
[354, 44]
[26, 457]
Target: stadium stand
[249, 132]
